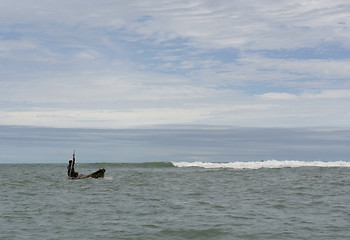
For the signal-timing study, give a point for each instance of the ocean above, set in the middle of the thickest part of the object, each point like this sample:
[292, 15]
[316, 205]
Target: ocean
[177, 200]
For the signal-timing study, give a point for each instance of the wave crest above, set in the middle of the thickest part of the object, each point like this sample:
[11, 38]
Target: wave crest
[262, 164]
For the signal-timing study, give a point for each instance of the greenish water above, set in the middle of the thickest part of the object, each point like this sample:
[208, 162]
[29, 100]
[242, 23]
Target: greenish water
[160, 201]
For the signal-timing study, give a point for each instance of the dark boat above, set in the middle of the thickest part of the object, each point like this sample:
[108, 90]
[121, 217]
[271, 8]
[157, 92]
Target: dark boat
[98, 174]
[74, 175]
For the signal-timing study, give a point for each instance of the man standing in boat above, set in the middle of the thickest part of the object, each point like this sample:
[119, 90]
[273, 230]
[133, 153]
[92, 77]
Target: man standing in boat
[71, 172]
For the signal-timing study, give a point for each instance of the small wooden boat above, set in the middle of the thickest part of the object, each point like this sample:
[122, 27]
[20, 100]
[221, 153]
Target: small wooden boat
[74, 175]
[98, 174]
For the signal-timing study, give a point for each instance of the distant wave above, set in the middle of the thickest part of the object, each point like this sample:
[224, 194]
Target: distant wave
[262, 164]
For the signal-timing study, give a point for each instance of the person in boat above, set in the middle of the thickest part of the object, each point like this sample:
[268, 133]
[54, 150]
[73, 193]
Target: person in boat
[70, 168]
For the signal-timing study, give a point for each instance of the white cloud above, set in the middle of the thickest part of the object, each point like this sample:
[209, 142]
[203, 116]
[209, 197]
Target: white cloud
[241, 24]
[278, 96]
[101, 118]
[141, 62]
[329, 94]
[325, 94]
[87, 55]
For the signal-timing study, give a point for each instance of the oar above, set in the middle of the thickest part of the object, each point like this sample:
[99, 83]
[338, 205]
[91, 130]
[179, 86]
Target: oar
[71, 165]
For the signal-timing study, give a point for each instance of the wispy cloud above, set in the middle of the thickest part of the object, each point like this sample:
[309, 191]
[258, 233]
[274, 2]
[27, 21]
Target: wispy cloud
[330, 94]
[326, 94]
[119, 63]
[278, 96]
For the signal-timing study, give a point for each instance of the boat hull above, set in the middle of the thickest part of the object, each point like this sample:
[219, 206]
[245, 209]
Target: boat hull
[98, 174]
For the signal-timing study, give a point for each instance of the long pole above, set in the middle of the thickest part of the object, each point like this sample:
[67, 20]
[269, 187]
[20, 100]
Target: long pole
[71, 165]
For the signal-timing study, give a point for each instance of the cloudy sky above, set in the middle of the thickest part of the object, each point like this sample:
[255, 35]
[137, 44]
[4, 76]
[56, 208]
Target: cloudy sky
[205, 144]
[122, 64]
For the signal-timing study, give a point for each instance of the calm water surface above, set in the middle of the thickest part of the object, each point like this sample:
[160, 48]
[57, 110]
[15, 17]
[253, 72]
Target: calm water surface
[160, 201]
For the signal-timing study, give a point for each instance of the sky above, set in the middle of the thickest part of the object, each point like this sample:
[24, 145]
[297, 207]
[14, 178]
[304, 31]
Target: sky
[125, 64]
[174, 143]
[257, 69]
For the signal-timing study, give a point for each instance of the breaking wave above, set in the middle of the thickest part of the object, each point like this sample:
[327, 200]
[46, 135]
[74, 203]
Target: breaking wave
[262, 164]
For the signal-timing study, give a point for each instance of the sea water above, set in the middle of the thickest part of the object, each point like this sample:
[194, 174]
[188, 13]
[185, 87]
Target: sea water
[179, 200]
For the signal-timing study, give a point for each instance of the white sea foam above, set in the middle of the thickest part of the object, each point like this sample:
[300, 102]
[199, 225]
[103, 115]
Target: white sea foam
[262, 164]
[108, 178]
